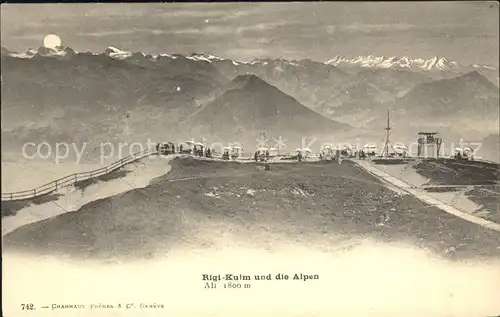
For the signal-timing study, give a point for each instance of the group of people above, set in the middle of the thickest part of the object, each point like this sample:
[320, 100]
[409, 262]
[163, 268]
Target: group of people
[231, 153]
[208, 153]
[169, 148]
[261, 155]
[165, 148]
[361, 154]
[464, 154]
[201, 151]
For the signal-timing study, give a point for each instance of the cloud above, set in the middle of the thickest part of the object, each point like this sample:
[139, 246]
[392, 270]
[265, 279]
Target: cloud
[330, 29]
[124, 32]
[231, 29]
[367, 28]
[262, 26]
[240, 13]
[109, 33]
[217, 11]
[246, 53]
[264, 40]
[30, 37]
[211, 29]
[197, 13]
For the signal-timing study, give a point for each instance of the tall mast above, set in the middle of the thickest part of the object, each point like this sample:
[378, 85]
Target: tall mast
[388, 124]
[385, 151]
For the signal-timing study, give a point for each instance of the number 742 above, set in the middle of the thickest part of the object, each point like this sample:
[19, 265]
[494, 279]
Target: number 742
[27, 307]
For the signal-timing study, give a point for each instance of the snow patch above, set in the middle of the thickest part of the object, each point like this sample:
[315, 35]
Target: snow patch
[206, 58]
[212, 195]
[116, 53]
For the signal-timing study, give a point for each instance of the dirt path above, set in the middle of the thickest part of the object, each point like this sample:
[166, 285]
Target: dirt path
[421, 195]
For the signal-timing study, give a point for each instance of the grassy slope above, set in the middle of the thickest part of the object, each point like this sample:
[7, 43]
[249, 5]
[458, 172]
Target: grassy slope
[10, 208]
[489, 200]
[467, 173]
[291, 203]
[449, 172]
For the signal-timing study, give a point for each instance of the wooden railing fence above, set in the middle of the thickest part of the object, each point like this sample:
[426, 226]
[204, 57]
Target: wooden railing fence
[73, 178]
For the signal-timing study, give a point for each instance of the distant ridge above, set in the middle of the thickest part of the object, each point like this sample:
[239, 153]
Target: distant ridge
[469, 97]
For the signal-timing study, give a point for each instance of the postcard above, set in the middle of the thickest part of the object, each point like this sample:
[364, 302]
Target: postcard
[250, 159]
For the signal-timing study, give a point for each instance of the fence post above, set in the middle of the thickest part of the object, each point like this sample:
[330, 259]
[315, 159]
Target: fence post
[91, 174]
[56, 184]
[106, 170]
[75, 178]
[34, 192]
[11, 196]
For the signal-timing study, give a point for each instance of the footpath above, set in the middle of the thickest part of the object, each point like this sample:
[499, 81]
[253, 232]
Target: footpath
[421, 195]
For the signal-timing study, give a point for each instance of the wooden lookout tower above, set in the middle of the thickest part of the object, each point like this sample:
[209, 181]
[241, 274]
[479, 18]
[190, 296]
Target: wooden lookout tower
[429, 144]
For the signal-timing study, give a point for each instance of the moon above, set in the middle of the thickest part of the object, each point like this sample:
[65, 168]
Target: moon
[51, 41]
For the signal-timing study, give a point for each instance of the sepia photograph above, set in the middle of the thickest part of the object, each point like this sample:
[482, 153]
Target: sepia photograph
[250, 159]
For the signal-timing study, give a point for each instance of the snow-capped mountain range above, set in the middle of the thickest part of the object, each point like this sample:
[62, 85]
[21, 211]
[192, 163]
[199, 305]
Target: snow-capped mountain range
[115, 86]
[370, 61]
[440, 63]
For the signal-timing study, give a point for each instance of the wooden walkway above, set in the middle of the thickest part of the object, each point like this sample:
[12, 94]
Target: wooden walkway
[74, 178]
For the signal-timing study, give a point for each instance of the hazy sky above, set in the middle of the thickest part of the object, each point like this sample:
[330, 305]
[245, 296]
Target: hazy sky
[461, 31]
